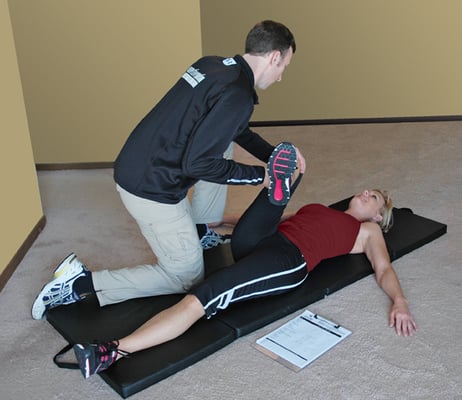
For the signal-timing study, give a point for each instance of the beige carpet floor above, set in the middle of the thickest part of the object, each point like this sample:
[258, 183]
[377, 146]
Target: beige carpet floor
[420, 163]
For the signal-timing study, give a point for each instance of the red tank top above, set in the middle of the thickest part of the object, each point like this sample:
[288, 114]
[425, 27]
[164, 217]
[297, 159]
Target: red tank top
[321, 232]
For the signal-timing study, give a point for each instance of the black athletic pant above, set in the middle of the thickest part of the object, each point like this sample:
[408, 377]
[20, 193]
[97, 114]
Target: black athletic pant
[267, 263]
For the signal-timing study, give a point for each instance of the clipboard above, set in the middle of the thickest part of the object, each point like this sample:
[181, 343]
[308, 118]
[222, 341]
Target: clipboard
[301, 340]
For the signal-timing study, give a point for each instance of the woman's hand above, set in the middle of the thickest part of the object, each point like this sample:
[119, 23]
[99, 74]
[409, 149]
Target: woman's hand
[401, 318]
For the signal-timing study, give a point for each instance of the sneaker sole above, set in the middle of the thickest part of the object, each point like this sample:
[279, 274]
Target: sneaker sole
[281, 166]
[39, 308]
[64, 265]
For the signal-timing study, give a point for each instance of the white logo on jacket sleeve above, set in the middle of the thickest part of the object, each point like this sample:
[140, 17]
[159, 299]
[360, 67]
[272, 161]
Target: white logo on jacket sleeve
[229, 61]
[244, 180]
[193, 76]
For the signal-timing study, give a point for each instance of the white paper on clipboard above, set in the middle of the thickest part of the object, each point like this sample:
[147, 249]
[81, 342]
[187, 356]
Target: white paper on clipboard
[302, 340]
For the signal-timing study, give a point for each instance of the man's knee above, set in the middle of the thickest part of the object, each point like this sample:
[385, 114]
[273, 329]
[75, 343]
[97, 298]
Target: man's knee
[193, 277]
[185, 273]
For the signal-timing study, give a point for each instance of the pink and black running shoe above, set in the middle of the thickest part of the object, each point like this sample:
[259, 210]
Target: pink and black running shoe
[97, 357]
[281, 166]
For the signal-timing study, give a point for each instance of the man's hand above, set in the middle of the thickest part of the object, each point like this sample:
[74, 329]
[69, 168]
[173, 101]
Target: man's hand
[301, 164]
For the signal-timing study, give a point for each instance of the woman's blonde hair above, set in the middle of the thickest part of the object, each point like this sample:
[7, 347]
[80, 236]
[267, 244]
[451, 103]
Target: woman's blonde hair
[386, 211]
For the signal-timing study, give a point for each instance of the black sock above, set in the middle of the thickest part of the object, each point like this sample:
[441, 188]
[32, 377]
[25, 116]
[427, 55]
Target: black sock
[83, 286]
[202, 229]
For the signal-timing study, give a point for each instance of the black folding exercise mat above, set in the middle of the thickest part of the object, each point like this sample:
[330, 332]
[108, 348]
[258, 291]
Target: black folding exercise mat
[86, 321]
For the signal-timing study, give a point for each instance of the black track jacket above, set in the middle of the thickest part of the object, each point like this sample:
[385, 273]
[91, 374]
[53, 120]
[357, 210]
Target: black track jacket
[183, 138]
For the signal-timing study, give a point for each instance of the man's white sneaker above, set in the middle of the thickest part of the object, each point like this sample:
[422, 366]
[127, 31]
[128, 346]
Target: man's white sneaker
[59, 290]
[212, 239]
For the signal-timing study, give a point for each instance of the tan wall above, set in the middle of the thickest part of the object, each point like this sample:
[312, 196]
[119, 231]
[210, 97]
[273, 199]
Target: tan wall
[355, 59]
[20, 204]
[91, 69]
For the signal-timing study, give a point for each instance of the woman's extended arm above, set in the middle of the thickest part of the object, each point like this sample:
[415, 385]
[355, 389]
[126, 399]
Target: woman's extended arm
[376, 251]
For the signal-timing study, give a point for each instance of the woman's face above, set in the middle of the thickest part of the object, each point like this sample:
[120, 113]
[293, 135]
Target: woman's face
[367, 205]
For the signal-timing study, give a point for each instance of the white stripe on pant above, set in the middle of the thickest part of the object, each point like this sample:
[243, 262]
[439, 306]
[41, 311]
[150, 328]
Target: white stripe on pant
[227, 297]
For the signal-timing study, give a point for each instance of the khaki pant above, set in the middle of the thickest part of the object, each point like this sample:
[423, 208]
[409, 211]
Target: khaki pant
[170, 230]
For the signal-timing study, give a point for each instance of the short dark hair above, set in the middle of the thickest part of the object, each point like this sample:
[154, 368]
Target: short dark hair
[267, 36]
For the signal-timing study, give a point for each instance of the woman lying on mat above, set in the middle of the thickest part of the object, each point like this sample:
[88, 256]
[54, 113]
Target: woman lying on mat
[272, 257]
